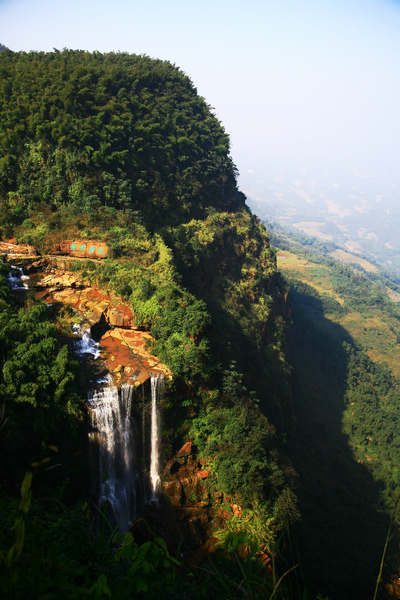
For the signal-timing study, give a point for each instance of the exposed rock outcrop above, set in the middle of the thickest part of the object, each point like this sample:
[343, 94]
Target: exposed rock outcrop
[124, 348]
[17, 249]
[83, 248]
[185, 450]
[190, 511]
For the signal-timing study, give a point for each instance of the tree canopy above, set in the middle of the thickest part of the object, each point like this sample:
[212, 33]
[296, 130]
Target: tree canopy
[114, 130]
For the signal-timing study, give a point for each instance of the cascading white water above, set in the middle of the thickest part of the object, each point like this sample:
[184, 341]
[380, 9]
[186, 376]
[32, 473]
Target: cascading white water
[86, 345]
[119, 481]
[110, 414]
[143, 438]
[16, 279]
[157, 386]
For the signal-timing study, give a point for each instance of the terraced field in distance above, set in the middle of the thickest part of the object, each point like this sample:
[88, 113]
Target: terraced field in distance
[348, 258]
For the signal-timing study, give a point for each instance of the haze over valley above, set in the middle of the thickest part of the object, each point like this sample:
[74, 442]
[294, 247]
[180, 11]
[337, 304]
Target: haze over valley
[355, 207]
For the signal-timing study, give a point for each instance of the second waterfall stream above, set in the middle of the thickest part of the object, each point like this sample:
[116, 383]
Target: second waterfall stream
[157, 389]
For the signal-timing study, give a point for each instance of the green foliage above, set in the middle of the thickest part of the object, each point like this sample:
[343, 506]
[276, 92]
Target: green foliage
[47, 550]
[37, 381]
[51, 552]
[346, 407]
[226, 260]
[241, 444]
[308, 296]
[372, 418]
[150, 567]
[346, 281]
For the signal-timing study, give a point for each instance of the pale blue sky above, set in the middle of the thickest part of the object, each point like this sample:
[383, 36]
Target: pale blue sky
[287, 78]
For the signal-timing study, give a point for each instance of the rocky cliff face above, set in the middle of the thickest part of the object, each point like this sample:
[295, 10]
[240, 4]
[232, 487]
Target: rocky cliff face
[123, 347]
[191, 511]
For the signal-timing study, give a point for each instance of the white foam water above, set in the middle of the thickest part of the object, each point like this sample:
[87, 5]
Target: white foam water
[16, 279]
[157, 387]
[110, 415]
[86, 345]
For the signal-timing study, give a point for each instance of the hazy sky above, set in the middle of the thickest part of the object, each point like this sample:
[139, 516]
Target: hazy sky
[287, 78]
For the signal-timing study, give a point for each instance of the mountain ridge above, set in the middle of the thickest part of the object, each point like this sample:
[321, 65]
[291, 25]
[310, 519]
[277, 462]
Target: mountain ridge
[121, 149]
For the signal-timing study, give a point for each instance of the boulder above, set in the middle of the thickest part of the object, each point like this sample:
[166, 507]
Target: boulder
[193, 489]
[185, 450]
[120, 316]
[172, 489]
[202, 474]
[18, 249]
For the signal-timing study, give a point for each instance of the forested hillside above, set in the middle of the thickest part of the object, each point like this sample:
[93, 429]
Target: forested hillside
[121, 149]
[121, 131]
[345, 356]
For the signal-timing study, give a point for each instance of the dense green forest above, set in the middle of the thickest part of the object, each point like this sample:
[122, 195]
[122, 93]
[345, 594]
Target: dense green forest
[120, 131]
[281, 378]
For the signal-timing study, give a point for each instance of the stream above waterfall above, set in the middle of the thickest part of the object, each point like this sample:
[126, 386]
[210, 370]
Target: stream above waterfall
[17, 280]
[85, 344]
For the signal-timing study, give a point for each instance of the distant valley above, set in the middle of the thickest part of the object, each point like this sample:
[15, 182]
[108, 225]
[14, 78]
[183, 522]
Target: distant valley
[358, 209]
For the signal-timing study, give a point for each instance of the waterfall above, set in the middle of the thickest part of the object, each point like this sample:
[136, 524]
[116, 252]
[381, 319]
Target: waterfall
[16, 279]
[143, 437]
[119, 459]
[110, 414]
[157, 386]
[85, 345]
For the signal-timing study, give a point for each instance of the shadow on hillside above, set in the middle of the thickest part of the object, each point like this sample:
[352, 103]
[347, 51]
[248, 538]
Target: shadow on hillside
[340, 540]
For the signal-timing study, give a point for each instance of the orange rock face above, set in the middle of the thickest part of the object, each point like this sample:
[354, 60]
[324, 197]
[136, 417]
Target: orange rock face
[120, 316]
[84, 248]
[185, 450]
[126, 356]
[124, 348]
